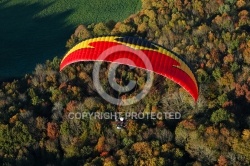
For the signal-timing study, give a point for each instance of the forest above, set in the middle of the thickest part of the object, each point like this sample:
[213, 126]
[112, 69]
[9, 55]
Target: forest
[212, 36]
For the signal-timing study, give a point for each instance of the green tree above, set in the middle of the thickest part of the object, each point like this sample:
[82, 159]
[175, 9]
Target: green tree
[202, 76]
[101, 29]
[219, 116]
[12, 139]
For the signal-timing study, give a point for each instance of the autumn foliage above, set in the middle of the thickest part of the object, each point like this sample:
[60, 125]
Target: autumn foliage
[211, 36]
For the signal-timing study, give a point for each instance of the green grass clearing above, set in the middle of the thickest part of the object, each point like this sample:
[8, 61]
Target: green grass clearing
[33, 31]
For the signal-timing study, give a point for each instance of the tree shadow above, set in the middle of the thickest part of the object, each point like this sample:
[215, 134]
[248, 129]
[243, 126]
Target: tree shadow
[26, 40]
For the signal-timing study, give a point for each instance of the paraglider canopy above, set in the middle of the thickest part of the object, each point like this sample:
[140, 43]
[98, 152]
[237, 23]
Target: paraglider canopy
[163, 61]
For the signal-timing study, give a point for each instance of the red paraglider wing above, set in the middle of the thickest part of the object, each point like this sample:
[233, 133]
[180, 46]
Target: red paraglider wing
[163, 61]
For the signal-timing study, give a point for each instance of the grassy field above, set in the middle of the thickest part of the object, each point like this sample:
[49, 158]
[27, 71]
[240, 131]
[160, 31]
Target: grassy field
[33, 31]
